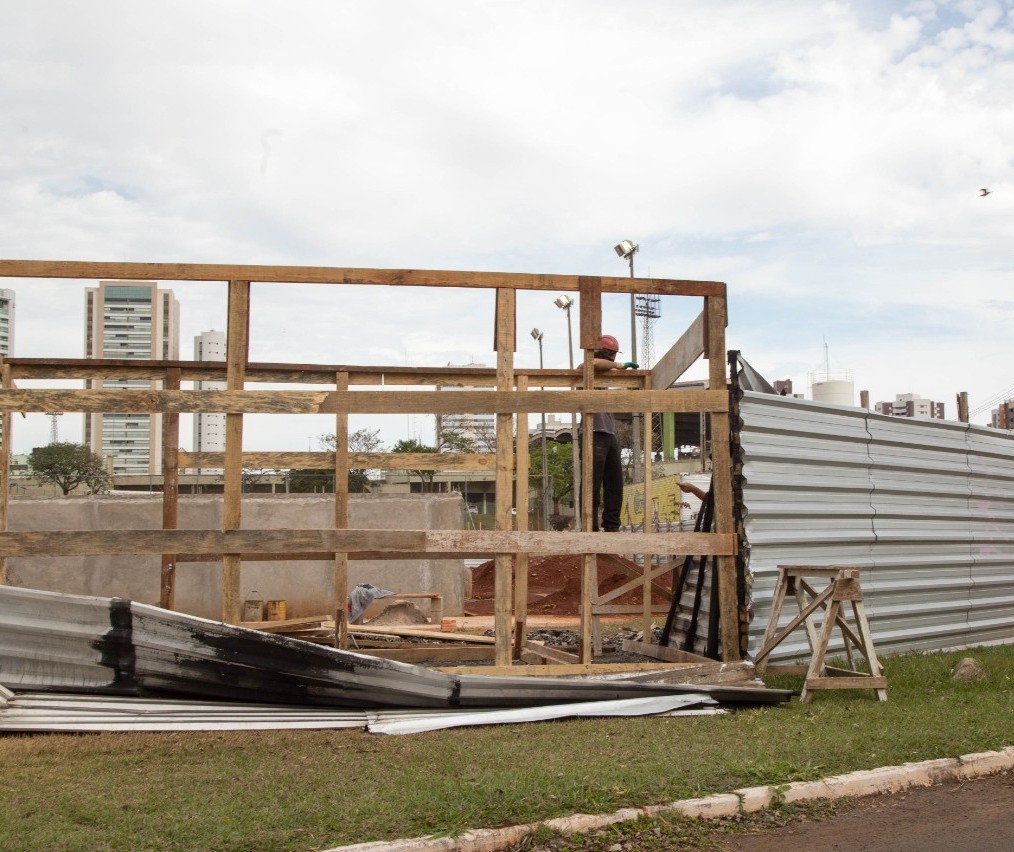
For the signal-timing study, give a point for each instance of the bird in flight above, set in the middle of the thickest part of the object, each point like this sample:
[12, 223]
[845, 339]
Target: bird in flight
[984, 191]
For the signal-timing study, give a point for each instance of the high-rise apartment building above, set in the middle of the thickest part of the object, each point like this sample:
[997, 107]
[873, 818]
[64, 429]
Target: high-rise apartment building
[6, 325]
[1003, 417]
[6, 322]
[209, 428]
[911, 405]
[480, 428]
[129, 320]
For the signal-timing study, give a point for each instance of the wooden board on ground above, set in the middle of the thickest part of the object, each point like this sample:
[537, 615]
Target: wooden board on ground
[563, 670]
[365, 629]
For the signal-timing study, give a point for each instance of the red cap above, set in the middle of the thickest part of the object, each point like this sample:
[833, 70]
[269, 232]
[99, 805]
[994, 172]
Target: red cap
[609, 342]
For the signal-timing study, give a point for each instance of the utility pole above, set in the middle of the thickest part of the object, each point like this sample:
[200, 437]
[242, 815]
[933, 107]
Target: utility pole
[627, 249]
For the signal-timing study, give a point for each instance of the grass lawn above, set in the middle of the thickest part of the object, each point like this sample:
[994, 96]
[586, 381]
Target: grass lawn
[301, 790]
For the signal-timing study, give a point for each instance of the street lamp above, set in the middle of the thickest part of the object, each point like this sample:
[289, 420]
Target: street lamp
[565, 303]
[537, 337]
[627, 249]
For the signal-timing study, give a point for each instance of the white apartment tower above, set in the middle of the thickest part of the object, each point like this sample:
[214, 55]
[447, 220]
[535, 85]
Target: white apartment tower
[127, 320]
[6, 323]
[209, 429]
[480, 428]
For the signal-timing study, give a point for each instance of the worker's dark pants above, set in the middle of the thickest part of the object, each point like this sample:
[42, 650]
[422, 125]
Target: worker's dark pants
[607, 479]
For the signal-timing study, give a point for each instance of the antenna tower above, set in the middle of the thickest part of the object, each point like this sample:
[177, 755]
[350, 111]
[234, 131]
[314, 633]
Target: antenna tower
[54, 429]
[649, 309]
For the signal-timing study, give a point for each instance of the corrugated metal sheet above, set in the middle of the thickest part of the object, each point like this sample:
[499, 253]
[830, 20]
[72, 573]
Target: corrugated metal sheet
[925, 507]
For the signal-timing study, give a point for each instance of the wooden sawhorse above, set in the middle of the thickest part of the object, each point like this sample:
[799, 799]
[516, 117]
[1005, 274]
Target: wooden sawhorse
[843, 585]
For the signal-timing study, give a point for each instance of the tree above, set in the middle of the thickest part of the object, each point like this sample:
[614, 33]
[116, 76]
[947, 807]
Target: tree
[560, 459]
[411, 445]
[69, 465]
[311, 479]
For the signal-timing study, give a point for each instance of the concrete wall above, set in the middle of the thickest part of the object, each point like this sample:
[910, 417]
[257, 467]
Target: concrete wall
[305, 586]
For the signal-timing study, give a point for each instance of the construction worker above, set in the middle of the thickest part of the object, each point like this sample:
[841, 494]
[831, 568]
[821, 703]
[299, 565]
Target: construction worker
[607, 472]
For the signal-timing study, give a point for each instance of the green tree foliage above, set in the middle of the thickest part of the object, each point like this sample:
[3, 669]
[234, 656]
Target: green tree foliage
[308, 480]
[69, 465]
[560, 464]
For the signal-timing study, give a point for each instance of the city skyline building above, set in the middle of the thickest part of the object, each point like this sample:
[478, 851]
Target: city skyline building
[6, 328]
[480, 428]
[1003, 416]
[129, 320]
[209, 428]
[911, 405]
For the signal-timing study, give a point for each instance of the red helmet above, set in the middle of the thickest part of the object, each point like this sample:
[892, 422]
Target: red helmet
[609, 342]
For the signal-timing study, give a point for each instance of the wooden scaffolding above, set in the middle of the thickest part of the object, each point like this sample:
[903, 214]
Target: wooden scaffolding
[367, 390]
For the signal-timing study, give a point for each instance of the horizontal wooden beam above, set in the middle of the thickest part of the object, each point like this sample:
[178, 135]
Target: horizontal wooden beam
[211, 371]
[423, 543]
[359, 402]
[563, 670]
[357, 461]
[341, 275]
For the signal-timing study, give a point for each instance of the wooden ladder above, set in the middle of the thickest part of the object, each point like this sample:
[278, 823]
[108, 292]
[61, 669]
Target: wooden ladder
[843, 585]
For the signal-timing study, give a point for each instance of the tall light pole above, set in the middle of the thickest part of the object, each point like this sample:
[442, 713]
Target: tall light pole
[627, 249]
[565, 303]
[537, 336]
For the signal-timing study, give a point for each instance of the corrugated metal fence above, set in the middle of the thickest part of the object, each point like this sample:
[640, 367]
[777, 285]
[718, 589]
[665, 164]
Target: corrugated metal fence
[924, 507]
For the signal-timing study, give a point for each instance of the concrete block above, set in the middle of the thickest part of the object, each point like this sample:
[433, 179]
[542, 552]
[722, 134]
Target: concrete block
[306, 587]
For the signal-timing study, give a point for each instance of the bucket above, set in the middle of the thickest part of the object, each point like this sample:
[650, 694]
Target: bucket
[276, 611]
[253, 608]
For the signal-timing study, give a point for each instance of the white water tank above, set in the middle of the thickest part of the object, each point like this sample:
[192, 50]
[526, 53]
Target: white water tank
[833, 386]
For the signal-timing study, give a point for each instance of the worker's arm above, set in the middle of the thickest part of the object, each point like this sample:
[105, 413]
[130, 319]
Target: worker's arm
[690, 488]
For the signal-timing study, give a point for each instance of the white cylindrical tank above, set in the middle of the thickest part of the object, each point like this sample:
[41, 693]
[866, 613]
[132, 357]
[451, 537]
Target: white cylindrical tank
[835, 391]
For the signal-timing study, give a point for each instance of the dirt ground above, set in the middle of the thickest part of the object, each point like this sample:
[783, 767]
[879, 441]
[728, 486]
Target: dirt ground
[974, 815]
[554, 585]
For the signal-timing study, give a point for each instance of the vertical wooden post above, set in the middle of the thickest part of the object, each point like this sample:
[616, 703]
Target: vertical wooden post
[236, 357]
[523, 462]
[647, 515]
[590, 332]
[341, 510]
[170, 492]
[6, 422]
[504, 563]
[721, 473]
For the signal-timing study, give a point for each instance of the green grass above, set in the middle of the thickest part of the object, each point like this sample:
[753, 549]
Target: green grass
[309, 790]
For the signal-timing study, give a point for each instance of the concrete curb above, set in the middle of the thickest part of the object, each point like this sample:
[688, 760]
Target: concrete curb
[887, 779]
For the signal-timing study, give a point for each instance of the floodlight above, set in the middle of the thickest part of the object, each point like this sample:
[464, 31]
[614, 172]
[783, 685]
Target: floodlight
[625, 248]
[536, 334]
[563, 302]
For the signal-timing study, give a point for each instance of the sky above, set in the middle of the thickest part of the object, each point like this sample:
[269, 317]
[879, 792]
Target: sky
[824, 160]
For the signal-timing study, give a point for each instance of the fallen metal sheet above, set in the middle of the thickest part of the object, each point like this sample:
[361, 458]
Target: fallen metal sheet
[69, 643]
[55, 713]
[622, 707]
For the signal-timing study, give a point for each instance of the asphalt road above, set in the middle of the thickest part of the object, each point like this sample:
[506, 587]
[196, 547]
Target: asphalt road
[977, 816]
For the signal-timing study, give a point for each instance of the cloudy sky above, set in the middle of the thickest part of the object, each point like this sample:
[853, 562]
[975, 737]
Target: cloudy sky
[823, 159]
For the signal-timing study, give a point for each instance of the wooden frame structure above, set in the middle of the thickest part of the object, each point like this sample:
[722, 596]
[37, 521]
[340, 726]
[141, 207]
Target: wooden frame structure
[578, 390]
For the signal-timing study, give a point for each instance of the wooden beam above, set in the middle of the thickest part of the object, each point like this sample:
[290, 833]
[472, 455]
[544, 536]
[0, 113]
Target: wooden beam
[522, 467]
[343, 275]
[562, 670]
[590, 315]
[341, 513]
[356, 542]
[356, 461]
[505, 337]
[443, 653]
[680, 357]
[235, 401]
[237, 347]
[170, 493]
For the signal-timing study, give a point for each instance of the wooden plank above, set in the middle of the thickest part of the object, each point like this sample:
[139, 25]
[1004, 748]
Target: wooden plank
[357, 461]
[638, 576]
[286, 625]
[647, 516]
[680, 357]
[544, 652]
[6, 428]
[425, 653]
[561, 670]
[341, 513]
[589, 563]
[590, 310]
[505, 338]
[237, 347]
[373, 543]
[522, 466]
[626, 609]
[663, 652]
[170, 493]
[323, 374]
[343, 275]
[866, 682]
[360, 402]
[422, 633]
